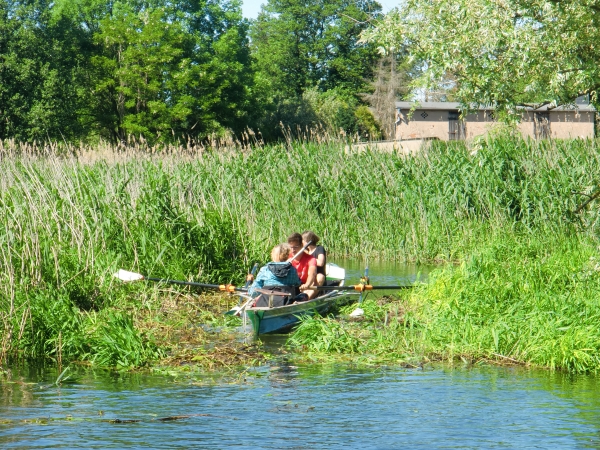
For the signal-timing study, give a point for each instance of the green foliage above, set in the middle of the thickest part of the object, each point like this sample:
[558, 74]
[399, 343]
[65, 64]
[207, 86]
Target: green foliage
[338, 113]
[366, 124]
[516, 298]
[166, 71]
[41, 75]
[178, 241]
[50, 324]
[68, 226]
[68, 223]
[116, 343]
[384, 334]
[502, 54]
[531, 300]
[298, 46]
[324, 335]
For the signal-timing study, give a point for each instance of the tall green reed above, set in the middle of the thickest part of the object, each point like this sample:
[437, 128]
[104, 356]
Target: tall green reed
[72, 216]
[530, 300]
[69, 225]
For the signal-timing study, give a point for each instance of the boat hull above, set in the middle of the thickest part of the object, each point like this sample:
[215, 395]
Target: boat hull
[283, 318]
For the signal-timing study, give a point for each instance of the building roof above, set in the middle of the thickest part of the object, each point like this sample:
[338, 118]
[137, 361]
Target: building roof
[580, 105]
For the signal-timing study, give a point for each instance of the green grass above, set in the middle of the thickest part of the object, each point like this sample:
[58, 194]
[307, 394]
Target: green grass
[536, 301]
[515, 299]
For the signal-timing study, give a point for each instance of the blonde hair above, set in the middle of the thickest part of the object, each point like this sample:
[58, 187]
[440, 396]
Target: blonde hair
[280, 253]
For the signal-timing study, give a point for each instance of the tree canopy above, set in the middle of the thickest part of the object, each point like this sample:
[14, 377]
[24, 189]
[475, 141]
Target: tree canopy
[503, 53]
[79, 68]
[172, 70]
[314, 44]
[302, 46]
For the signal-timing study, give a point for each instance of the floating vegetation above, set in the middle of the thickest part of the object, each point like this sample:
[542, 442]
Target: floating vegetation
[48, 420]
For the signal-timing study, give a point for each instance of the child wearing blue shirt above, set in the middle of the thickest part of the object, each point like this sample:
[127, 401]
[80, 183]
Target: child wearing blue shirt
[279, 272]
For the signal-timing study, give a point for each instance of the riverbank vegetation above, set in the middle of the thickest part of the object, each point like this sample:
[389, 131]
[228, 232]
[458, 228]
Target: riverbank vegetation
[514, 300]
[511, 216]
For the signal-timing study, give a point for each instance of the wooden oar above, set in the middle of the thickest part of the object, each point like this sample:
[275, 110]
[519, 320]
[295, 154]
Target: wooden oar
[127, 276]
[250, 277]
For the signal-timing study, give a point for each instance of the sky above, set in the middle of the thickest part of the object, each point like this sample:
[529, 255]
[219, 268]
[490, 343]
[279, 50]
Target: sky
[250, 8]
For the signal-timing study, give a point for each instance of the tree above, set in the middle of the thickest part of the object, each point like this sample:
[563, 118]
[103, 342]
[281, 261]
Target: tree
[41, 71]
[311, 44]
[391, 82]
[506, 53]
[171, 70]
[74, 69]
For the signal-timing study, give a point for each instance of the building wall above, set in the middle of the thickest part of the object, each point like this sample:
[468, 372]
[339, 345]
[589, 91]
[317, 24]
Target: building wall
[478, 123]
[572, 124]
[434, 125]
[525, 126]
[563, 124]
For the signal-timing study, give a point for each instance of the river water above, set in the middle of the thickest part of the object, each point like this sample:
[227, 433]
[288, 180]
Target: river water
[281, 406]
[306, 407]
[383, 273]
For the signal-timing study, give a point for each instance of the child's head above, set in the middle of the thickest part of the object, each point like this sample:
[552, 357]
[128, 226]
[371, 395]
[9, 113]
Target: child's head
[280, 253]
[309, 236]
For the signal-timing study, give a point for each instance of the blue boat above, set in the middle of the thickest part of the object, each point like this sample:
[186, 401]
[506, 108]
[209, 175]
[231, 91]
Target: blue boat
[266, 320]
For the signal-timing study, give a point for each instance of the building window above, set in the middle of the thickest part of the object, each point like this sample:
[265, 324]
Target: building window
[424, 115]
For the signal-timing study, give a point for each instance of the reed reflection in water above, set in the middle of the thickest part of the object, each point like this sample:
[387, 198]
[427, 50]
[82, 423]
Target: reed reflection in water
[383, 272]
[302, 407]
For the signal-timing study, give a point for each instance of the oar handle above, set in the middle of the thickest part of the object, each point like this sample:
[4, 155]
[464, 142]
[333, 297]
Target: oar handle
[221, 287]
[250, 276]
[301, 251]
[361, 287]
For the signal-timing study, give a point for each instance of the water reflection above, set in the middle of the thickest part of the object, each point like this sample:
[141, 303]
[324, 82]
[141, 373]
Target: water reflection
[384, 272]
[287, 406]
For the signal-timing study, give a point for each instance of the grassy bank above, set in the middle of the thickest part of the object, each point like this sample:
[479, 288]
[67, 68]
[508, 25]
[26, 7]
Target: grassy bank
[73, 216]
[515, 300]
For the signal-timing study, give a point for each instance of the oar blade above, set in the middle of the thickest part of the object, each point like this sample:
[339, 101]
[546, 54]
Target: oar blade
[125, 275]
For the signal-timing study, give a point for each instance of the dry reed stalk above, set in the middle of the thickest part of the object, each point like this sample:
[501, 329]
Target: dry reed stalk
[6, 338]
[26, 314]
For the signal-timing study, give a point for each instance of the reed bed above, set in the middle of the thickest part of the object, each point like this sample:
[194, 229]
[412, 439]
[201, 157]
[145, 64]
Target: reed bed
[72, 216]
[519, 301]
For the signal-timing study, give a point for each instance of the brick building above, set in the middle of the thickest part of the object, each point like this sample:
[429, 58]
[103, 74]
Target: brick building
[441, 120]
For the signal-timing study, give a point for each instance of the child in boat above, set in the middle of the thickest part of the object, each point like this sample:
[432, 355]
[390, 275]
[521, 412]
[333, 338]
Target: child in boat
[318, 252]
[279, 272]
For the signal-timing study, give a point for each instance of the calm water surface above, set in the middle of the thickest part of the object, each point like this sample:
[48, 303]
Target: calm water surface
[303, 407]
[383, 272]
[281, 406]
